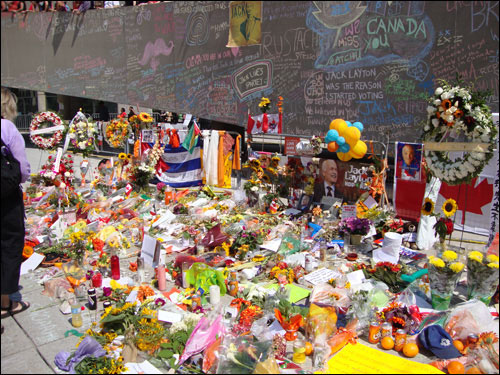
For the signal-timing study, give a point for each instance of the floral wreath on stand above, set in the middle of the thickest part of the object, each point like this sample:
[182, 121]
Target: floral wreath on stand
[82, 134]
[116, 132]
[458, 112]
[42, 122]
[49, 176]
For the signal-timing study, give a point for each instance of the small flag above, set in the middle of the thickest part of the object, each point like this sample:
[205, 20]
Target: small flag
[192, 138]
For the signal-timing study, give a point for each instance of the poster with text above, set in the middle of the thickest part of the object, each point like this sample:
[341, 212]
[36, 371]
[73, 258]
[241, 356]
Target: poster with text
[245, 19]
[408, 161]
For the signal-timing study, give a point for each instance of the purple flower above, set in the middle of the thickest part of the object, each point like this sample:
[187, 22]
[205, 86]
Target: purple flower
[106, 292]
[160, 302]
[160, 186]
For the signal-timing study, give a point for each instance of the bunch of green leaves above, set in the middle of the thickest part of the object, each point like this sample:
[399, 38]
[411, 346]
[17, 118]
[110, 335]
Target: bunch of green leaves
[175, 345]
[242, 355]
[99, 365]
[389, 274]
[288, 310]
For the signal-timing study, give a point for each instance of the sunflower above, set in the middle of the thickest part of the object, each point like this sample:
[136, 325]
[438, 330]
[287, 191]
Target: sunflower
[266, 179]
[449, 207]
[446, 104]
[144, 117]
[133, 118]
[255, 163]
[122, 156]
[129, 156]
[427, 207]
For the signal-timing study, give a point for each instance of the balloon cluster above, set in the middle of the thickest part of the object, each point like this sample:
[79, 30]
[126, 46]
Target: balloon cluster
[344, 138]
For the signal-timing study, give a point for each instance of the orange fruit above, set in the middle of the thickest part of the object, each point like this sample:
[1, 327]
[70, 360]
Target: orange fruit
[387, 343]
[455, 367]
[410, 349]
[459, 345]
[309, 348]
[473, 370]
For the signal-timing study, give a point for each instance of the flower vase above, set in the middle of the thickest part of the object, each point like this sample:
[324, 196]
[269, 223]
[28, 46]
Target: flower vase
[442, 285]
[356, 239]
[253, 198]
[481, 283]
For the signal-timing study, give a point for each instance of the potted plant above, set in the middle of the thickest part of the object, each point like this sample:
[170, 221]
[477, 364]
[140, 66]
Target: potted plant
[355, 227]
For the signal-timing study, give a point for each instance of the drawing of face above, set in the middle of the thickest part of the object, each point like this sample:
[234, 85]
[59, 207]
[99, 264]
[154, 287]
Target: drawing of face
[329, 171]
[408, 154]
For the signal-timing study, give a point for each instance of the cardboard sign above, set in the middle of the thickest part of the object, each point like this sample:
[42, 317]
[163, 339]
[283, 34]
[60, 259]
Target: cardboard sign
[290, 145]
[150, 250]
[348, 211]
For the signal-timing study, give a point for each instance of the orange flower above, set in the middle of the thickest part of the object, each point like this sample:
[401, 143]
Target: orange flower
[438, 114]
[446, 104]
[132, 266]
[458, 113]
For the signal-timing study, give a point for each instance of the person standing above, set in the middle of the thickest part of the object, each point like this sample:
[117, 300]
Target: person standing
[131, 112]
[13, 153]
[103, 111]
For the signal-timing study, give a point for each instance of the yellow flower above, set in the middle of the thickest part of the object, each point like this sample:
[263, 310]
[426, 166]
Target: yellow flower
[437, 262]
[493, 265]
[476, 255]
[492, 258]
[144, 117]
[255, 163]
[122, 156]
[457, 267]
[133, 118]
[427, 207]
[449, 256]
[449, 207]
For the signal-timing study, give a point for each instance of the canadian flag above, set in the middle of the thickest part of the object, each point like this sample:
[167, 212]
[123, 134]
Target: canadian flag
[265, 123]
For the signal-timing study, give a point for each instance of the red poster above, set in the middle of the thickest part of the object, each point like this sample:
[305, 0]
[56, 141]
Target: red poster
[290, 144]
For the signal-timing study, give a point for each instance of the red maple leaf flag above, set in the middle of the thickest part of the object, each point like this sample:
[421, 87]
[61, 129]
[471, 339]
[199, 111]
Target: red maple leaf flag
[470, 198]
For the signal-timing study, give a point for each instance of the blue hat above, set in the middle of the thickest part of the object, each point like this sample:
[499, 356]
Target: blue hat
[438, 341]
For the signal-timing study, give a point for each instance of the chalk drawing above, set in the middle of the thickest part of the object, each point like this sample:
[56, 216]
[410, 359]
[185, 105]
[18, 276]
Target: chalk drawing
[198, 29]
[152, 51]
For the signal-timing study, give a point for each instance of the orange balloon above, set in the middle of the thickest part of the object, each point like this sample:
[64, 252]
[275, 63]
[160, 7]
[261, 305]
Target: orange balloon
[352, 135]
[359, 149]
[343, 156]
[333, 146]
[335, 123]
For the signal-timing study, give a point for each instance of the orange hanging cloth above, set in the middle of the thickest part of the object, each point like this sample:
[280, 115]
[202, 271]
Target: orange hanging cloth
[236, 154]
[174, 139]
[220, 160]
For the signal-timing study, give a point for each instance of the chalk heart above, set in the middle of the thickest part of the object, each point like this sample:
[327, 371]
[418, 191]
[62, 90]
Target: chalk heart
[235, 50]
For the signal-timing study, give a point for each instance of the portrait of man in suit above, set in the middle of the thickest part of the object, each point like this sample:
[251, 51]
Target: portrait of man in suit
[328, 183]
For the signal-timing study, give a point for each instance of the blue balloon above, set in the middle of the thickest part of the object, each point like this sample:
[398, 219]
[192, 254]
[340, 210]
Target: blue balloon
[344, 148]
[340, 141]
[331, 136]
[349, 124]
[358, 125]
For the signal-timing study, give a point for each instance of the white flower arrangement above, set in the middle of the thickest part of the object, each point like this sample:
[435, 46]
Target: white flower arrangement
[82, 134]
[454, 112]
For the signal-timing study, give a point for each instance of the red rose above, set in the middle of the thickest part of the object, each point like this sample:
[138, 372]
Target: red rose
[449, 226]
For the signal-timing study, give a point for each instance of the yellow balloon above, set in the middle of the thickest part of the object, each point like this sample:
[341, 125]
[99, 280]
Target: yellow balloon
[358, 150]
[344, 156]
[335, 124]
[352, 136]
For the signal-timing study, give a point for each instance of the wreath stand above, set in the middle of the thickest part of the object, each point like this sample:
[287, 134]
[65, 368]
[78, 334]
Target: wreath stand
[457, 147]
[84, 165]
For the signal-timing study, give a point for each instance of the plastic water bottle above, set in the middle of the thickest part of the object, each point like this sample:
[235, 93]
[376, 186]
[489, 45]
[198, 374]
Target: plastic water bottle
[76, 314]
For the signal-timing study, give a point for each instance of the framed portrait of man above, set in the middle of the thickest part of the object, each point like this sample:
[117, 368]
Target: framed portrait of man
[408, 161]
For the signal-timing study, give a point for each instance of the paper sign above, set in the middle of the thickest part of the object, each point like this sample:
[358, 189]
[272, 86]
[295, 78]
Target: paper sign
[132, 296]
[348, 211]
[361, 359]
[410, 236]
[356, 277]
[370, 202]
[150, 250]
[273, 245]
[296, 293]
[69, 217]
[141, 368]
[321, 276]
[57, 163]
[379, 255]
[166, 218]
[169, 317]
[291, 145]
[187, 119]
[31, 263]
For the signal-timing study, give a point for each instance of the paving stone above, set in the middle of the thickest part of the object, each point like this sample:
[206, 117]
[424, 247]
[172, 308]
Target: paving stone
[50, 350]
[38, 301]
[27, 361]
[14, 340]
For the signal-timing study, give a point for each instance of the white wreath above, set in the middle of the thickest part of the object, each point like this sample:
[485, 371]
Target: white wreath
[56, 130]
[453, 113]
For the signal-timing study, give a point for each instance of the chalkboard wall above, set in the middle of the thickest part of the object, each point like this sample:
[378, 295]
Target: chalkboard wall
[374, 62]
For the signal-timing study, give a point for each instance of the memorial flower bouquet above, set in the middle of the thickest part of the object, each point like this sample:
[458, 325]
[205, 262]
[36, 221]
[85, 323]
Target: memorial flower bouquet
[354, 225]
[264, 104]
[482, 276]
[142, 173]
[65, 173]
[82, 133]
[444, 273]
[140, 122]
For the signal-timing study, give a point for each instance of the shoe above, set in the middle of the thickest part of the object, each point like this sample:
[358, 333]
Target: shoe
[24, 306]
